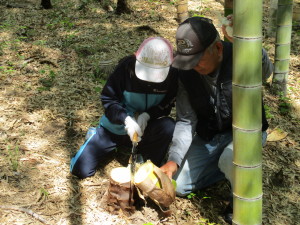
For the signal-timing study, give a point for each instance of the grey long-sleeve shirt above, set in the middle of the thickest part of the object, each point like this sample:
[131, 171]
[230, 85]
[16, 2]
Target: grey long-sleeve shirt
[185, 126]
[186, 118]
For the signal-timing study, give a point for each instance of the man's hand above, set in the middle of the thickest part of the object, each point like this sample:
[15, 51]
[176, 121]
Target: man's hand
[131, 127]
[170, 168]
[142, 121]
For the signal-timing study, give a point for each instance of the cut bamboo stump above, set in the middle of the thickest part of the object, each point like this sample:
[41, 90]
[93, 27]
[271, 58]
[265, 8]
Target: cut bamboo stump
[120, 192]
[126, 189]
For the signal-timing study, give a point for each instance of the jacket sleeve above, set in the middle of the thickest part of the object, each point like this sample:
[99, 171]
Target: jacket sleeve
[165, 106]
[186, 121]
[112, 93]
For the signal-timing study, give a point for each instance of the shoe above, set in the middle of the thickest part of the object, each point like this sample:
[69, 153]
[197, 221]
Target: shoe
[228, 213]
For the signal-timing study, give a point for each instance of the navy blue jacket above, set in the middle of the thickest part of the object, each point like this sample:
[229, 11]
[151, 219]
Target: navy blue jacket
[124, 94]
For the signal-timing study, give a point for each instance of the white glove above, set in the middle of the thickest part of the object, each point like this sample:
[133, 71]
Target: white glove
[227, 22]
[131, 127]
[142, 121]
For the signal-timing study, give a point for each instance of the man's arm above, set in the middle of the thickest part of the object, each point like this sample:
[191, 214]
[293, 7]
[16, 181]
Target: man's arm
[184, 131]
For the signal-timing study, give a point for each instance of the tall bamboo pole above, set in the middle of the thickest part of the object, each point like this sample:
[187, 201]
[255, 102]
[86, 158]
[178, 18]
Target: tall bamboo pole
[282, 45]
[228, 7]
[271, 28]
[247, 112]
[182, 10]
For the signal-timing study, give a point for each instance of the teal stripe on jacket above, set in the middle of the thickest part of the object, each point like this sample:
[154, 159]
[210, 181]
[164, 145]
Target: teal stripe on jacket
[134, 102]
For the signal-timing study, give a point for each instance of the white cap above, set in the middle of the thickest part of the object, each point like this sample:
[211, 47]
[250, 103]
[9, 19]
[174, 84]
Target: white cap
[153, 60]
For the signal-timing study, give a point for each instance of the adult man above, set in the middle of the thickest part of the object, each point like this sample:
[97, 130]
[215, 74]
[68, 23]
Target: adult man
[203, 129]
[142, 84]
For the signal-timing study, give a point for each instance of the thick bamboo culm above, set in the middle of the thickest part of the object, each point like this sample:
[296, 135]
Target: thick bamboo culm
[282, 45]
[271, 28]
[247, 112]
[296, 12]
[182, 10]
[228, 7]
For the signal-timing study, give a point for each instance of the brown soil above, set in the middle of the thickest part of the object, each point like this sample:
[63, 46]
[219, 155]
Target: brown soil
[50, 80]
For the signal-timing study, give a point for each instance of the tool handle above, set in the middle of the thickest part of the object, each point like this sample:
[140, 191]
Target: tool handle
[135, 137]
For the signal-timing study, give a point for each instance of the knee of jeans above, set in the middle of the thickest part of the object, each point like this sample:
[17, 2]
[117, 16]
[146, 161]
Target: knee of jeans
[181, 191]
[225, 161]
[264, 138]
[226, 165]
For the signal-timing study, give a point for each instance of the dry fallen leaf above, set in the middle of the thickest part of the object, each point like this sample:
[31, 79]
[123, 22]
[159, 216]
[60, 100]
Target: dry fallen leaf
[276, 135]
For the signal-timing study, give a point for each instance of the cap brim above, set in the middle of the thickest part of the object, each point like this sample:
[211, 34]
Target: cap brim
[186, 62]
[150, 74]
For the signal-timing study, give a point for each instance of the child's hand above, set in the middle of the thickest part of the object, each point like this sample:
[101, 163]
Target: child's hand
[227, 27]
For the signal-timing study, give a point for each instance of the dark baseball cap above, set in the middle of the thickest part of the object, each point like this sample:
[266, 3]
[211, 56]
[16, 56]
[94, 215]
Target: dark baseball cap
[193, 36]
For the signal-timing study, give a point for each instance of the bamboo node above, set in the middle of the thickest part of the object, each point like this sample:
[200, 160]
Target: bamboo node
[248, 199]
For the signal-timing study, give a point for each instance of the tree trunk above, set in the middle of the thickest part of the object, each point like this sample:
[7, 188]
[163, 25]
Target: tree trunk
[123, 7]
[282, 46]
[46, 4]
[182, 10]
[247, 112]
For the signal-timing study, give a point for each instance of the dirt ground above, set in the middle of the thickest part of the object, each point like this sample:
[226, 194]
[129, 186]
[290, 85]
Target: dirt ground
[51, 75]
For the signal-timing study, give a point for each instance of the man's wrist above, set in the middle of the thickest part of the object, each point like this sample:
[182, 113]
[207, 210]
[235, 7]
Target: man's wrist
[175, 158]
[173, 166]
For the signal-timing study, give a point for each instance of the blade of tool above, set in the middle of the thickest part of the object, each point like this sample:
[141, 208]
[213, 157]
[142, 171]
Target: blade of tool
[133, 152]
[132, 162]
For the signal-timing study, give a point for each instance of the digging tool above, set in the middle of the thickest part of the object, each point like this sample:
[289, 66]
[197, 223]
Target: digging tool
[133, 152]
[132, 162]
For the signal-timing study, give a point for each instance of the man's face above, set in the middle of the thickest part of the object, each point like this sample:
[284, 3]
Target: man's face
[210, 60]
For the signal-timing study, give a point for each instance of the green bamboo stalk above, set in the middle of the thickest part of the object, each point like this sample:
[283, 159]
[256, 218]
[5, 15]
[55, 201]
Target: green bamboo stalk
[247, 112]
[271, 28]
[282, 46]
[228, 7]
[182, 10]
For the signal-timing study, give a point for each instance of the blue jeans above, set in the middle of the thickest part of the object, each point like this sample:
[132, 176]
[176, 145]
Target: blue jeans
[206, 163]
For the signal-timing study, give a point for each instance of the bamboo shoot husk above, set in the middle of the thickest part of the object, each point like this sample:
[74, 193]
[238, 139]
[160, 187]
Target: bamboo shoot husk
[155, 184]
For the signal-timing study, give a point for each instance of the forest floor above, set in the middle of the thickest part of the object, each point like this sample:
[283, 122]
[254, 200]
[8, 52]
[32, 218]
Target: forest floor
[50, 80]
